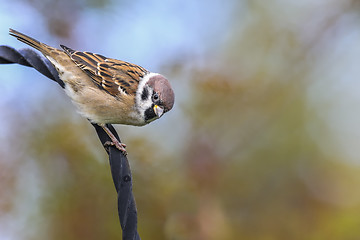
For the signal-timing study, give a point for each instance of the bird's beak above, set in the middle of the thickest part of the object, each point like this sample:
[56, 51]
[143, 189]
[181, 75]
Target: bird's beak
[158, 110]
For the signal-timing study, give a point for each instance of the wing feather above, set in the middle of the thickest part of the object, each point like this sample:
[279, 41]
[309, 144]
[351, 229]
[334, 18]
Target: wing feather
[114, 76]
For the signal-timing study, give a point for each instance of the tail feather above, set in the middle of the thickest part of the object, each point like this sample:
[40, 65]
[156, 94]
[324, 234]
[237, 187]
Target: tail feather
[29, 40]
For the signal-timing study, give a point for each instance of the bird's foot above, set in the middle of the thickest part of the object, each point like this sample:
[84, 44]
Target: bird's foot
[118, 145]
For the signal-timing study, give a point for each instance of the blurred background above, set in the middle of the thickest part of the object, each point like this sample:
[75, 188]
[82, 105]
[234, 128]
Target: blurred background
[262, 143]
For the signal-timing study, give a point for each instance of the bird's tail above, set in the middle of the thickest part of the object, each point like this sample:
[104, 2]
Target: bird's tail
[30, 41]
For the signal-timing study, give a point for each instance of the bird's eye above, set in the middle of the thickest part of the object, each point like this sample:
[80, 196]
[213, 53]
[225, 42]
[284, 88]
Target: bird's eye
[155, 97]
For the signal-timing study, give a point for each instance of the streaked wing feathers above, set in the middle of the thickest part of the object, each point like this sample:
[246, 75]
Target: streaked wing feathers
[114, 76]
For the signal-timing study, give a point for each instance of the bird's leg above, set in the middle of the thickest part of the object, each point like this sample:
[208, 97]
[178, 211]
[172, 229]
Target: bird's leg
[114, 141]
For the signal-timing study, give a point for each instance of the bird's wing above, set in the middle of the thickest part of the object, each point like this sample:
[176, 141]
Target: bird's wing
[114, 76]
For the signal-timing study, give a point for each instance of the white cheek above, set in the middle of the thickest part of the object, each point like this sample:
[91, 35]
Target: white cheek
[141, 86]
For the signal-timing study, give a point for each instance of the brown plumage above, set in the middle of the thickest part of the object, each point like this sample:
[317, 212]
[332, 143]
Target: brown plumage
[107, 90]
[108, 73]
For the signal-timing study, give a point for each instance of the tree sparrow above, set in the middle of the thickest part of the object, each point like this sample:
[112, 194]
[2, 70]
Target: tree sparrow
[107, 90]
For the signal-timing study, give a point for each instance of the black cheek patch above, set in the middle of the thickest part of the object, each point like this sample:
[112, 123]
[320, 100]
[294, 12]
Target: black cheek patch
[145, 94]
[150, 114]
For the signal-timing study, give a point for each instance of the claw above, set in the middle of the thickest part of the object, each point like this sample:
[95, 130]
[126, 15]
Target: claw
[118, 145]
[114, 141]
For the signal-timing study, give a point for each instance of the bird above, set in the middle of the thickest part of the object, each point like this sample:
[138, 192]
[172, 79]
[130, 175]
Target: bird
[106, 90]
